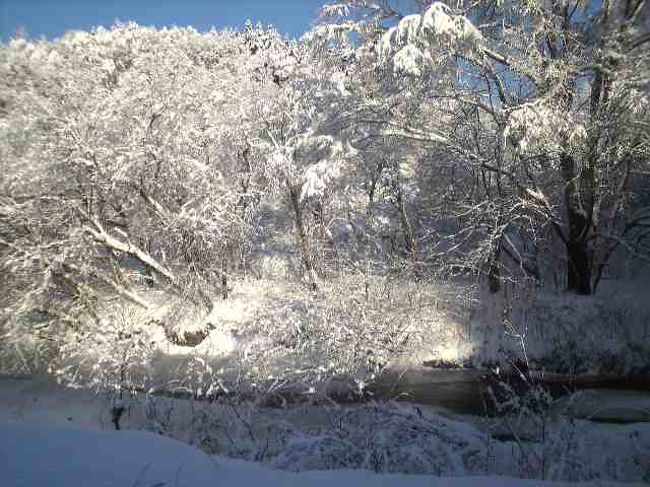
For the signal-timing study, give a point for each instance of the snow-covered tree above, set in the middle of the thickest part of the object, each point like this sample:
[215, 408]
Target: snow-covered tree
[117, 170]
[544, 106]
[295, 105]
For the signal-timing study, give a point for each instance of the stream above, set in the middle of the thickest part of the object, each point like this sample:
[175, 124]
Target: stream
[599, 398]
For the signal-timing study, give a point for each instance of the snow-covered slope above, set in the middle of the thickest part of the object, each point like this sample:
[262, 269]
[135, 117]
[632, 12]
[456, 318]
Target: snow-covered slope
[33, 456]
[52, 435]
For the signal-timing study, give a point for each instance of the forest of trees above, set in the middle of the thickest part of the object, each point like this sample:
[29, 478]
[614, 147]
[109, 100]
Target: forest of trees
[491, 140]
[257, 245]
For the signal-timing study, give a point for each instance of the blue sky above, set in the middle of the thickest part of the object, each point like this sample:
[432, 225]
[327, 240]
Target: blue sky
[51, 18]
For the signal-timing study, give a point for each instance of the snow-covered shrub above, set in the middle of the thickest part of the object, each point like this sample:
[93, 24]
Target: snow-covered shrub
[111, 352]
[601, 334]
[354, 326]
[596, 334]
[387, 437]
[191, 375]
[272, 267]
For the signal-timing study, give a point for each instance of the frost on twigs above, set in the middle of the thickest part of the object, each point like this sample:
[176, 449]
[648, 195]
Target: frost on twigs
[318, 177]
[334, 10]
[335, 33]
[389, 438]
[535, 127]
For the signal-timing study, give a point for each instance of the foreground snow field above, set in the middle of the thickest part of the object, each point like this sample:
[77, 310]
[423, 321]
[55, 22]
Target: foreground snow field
[32, 456]
[52, 436]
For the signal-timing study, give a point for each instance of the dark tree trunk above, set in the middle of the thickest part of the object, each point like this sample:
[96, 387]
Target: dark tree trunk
[225, 290]
[494, 272]
[579, 267]
[407, 230]
[579, 201]
[303, 241]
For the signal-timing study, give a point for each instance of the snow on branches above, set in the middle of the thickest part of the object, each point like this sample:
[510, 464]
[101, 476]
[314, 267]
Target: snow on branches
[415, 36]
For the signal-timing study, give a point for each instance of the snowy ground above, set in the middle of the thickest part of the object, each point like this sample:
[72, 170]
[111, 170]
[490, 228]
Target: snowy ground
[36, 456]
[381, 437]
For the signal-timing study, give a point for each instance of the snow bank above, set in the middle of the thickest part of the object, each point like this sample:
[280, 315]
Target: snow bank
[32, 457]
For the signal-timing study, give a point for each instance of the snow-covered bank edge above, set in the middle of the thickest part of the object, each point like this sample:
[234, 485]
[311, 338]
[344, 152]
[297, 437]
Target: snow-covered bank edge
[37, 456]
[384, 437]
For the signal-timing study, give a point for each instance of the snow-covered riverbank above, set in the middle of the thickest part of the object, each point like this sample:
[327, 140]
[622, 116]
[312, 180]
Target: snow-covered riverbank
[36, 456]
[388, 438]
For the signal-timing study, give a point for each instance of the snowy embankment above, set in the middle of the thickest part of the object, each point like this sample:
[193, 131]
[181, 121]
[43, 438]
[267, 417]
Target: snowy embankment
[49, 435]
[35, 456]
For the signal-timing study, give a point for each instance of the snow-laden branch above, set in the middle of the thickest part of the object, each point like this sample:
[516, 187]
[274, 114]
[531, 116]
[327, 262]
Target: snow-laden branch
[121, 290]
[101, 236]
[438, 26]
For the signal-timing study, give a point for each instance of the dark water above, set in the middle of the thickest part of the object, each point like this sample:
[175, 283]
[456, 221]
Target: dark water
[466, 391]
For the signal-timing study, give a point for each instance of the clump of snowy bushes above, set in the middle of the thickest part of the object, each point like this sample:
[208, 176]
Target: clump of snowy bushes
[387, 437]
[354, 326]
[390, 437]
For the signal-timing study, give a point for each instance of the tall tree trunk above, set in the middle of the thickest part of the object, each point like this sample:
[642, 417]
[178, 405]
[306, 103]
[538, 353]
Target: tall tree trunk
[303, 241]
[579, 267]
[579, 199]
[494, 271]
[407, 229]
